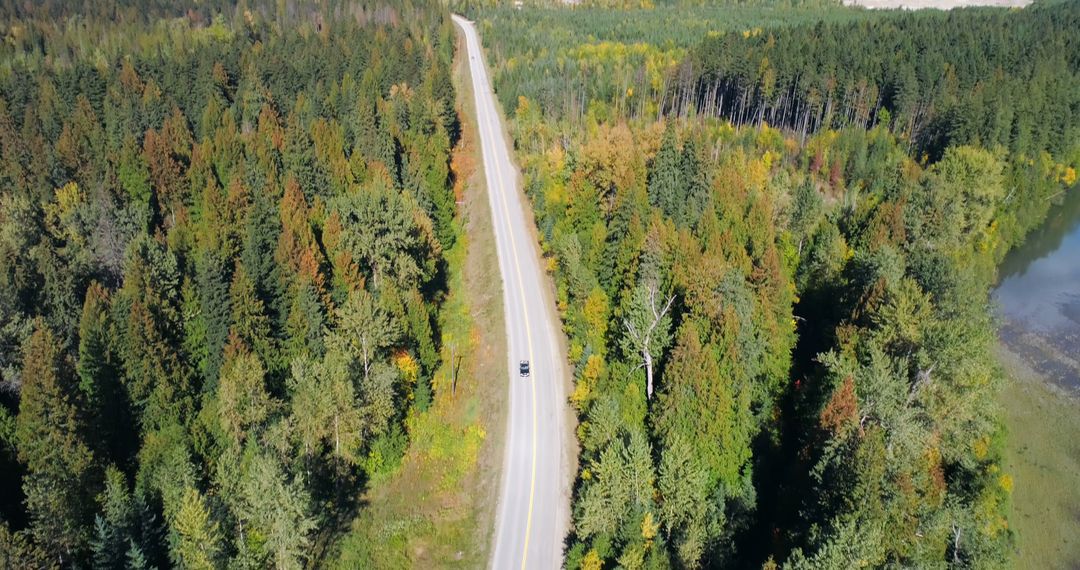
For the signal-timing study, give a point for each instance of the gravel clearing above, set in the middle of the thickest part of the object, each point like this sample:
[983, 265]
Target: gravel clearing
[935, 4]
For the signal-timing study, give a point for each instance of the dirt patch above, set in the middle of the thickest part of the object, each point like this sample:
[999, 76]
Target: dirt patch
[934, 4]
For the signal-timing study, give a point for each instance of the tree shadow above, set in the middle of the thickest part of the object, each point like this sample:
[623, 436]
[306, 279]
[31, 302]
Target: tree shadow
[11, 475]
[781, 451]
[337, 489]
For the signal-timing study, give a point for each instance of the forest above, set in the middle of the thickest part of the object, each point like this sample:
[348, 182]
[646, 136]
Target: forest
[229, 234]
[223, 230]
[773, 244]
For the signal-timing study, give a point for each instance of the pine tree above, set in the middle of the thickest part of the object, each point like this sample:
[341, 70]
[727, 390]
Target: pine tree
[421, 331]
[708, 384]
[299, 160]
[136, 558]
[298, 253]
[149, 319]
[305, 325]
[373, 136]
[385, 234]
[158, 385]
[325, 409]
[691, 519]
[18, 551]
[165, 171]
[805, 212]
[364, 330]
[621, 488]
[121, 526]
[262, 229]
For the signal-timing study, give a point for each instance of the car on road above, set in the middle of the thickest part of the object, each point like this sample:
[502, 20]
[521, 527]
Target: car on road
[523, 368]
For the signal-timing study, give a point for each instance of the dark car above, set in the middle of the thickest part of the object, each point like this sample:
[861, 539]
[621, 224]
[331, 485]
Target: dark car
[523, 368]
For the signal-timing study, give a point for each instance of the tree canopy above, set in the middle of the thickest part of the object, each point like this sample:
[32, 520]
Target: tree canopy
[222, 228]
[823, 199]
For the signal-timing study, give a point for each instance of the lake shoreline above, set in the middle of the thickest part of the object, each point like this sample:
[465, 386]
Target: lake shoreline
[1051, 358]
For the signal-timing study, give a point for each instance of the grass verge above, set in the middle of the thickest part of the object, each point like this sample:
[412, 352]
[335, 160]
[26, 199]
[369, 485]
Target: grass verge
[438, 509]
[1043, 456]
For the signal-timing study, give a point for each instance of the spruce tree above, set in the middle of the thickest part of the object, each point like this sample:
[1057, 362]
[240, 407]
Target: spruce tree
[696, 186]
[305, 325]
[211, 279]
[249, 322]
[108, 412]
[50, 428]
[665, 177]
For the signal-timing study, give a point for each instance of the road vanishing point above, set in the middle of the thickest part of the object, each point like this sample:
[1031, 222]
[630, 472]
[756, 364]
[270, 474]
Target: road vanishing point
[532, 515]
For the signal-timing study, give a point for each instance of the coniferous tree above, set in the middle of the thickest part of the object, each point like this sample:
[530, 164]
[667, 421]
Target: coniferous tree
[243, 402]
[17, 550]
[125, 530]
[61, 472]
[305, 325]
[325, 410]
[278, 509]
[249, 322]
[666, 183]
[200, 541]
[214, 313]
[695, 183]
[108, 413]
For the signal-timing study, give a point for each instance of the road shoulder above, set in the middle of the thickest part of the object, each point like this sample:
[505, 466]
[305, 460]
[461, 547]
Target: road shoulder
[481, 272]
[438, 509]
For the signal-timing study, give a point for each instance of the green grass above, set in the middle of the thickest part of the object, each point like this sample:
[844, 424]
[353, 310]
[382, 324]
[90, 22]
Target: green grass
[437, 509]
[1043, 456]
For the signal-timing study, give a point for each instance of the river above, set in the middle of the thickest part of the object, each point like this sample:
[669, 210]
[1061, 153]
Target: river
[1038, 297]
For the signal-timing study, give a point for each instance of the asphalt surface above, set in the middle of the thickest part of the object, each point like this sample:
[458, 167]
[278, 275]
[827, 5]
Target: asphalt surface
[533, 511]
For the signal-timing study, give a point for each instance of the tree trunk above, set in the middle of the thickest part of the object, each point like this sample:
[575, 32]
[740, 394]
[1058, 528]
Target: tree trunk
[648, 373]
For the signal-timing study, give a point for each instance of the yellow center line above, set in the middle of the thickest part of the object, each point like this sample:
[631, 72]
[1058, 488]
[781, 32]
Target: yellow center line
[528, 336]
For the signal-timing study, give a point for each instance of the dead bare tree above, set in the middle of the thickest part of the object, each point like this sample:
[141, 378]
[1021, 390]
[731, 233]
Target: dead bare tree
[643, 334]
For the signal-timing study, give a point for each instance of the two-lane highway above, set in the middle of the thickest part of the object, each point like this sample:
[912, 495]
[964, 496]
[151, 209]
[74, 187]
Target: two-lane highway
[533, 510]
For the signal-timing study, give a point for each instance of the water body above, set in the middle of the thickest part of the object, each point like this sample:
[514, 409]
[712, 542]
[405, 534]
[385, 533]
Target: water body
[1038, 297]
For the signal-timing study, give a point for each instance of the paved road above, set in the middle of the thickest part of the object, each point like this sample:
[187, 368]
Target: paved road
[533, 510]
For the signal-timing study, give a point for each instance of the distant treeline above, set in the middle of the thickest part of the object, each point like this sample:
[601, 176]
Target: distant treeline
[988, 77]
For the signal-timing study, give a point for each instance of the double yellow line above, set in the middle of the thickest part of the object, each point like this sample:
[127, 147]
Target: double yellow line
[525, 312]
